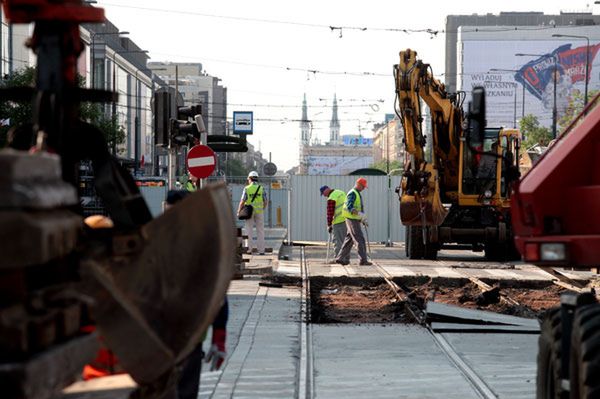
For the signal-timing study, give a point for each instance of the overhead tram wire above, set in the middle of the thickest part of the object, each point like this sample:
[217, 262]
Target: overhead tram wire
[332, 27]
[314, 71]
[340, 28]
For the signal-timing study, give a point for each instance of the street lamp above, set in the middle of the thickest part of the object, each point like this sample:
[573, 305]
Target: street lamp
[587, 61]
[523, 99]
[94, 34]
[554, 113]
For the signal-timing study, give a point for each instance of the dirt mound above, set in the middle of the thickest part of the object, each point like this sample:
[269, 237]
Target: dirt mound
[337, 303]
[359, 301]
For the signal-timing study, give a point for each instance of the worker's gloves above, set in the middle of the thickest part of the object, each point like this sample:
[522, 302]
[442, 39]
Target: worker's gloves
[216, 354]
[329, 229]
[363, 219]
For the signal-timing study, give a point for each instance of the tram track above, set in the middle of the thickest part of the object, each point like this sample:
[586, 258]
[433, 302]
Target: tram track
[474, 378]
[306, 381]
[418, 313]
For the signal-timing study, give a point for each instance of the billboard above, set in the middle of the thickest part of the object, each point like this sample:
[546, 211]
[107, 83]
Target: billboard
[336, 165]
[522, 85]
[357, 141]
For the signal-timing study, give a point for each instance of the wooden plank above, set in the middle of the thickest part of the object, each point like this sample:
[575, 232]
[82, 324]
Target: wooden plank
[486, 287]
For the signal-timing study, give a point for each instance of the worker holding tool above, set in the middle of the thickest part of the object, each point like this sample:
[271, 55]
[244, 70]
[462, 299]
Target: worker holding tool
[353, 211]
[336, 222]
[189, 377]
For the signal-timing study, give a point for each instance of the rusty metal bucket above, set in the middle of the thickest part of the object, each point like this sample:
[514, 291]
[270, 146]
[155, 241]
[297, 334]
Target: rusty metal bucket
[423, 210]
[162, 287]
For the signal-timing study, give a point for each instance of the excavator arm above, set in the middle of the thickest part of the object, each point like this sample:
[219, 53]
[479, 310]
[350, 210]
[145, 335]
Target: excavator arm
[426, 185]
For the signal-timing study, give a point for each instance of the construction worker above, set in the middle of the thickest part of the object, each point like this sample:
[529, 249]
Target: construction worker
[192, 183]
[353, 211]
[254, 195]
[189, 377]
[336, 222]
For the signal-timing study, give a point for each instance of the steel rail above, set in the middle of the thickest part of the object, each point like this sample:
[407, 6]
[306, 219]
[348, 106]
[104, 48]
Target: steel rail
[419, 315]
[306, 387]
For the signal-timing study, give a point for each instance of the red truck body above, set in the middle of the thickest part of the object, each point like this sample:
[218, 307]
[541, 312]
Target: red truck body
[556, 206]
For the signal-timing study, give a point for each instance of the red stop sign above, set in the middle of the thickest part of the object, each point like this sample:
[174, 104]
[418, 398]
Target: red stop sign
[201, 161]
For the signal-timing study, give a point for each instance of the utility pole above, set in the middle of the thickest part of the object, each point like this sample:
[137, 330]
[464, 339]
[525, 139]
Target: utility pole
[515, 110]
[269, 199]
[388, 243]
[171, 150]
[554, 111]
[114, 103]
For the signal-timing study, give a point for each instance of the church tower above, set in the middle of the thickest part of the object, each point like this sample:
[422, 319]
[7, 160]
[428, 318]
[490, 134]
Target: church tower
[334, 125]
[304, 131]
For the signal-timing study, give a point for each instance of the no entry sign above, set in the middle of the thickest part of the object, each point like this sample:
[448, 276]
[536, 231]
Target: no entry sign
[201, 161]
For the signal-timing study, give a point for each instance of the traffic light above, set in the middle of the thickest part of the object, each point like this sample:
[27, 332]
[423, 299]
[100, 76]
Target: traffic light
[184, 131]
[185, 113]
[162, 109]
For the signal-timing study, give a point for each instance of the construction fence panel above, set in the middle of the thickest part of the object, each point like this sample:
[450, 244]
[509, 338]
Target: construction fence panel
[308, 207]
[276, 189]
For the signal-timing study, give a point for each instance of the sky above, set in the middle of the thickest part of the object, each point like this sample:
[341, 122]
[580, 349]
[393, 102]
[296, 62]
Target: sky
[263, 51]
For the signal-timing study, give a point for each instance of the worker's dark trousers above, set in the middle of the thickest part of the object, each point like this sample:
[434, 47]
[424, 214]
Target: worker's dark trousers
[189, 380]
[355, 234]
[339, 234]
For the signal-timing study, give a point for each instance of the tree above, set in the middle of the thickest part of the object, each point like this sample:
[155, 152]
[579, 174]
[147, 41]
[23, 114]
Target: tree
[574, 108]
[395, 166]
[17, 113]
[533, 133]
[234, 167]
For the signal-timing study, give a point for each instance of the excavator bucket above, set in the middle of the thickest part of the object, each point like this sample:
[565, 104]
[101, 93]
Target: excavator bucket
[161, 287]
[423, 210]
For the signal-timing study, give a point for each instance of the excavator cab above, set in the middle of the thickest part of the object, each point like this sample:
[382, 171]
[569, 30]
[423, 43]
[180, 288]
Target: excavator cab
[488, 167]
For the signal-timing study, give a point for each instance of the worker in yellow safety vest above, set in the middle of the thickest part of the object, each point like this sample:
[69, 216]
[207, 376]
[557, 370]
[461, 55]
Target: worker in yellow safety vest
[336, 221]
[192, 183]
[254, 195]
[354, 212]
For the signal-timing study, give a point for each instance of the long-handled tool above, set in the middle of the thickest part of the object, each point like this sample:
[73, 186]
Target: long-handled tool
[328, 246]
[368, 243]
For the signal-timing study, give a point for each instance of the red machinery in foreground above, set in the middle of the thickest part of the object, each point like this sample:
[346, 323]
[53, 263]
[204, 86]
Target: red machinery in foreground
[149, 286]
[556, 220]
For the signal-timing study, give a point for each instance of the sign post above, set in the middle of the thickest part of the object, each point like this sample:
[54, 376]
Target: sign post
[269, 170]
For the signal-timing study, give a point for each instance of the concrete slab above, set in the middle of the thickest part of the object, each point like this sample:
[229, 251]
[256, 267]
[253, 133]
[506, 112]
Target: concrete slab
[507, 362]
[383, 361]
[483, 328]
[448, 313]
[263, 333]
[450, 264]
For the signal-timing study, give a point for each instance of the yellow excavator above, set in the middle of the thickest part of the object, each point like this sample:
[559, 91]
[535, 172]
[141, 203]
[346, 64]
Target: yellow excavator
[455, 191]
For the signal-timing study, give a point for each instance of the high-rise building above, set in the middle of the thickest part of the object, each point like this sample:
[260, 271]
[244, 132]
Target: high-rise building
[197, 87]
[504, 19]
[527, 70]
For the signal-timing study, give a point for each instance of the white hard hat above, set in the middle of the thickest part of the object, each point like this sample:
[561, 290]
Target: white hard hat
[253, 174]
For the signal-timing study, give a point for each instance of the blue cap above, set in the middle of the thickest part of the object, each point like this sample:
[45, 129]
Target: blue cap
[322, 189]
